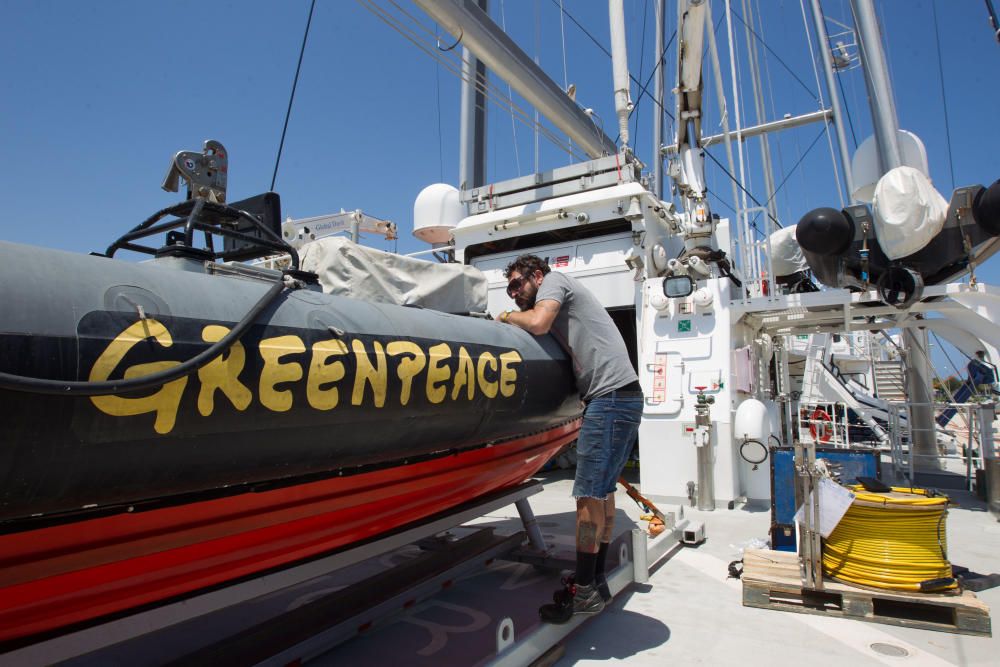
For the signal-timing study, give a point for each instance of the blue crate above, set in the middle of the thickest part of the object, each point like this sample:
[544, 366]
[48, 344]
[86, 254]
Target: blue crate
[853, 463]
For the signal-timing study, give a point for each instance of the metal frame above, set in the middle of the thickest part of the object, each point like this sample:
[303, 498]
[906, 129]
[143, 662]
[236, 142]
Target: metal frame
[840, 310]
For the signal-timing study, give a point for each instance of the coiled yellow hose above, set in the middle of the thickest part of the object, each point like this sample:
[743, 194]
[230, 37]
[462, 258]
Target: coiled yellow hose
[892, 540]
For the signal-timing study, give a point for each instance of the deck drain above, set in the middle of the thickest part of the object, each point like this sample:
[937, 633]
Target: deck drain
[890, 650]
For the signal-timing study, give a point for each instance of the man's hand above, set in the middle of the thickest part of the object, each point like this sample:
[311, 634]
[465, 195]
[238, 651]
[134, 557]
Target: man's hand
[537, 320]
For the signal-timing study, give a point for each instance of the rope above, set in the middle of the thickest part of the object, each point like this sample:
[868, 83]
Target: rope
[895, 542]
[291, 98]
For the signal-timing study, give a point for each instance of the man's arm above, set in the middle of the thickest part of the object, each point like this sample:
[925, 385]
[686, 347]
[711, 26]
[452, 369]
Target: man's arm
[536, 321]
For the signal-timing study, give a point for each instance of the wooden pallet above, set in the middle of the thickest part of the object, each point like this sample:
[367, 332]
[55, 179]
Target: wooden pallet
[771, 581]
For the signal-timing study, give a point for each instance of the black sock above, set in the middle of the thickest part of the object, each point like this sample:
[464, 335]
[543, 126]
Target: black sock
[585, 566]
[601, 563]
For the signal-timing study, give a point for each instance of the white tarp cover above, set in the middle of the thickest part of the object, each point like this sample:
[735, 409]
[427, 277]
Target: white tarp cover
[348, 269]
[909, 212]
[786, 253]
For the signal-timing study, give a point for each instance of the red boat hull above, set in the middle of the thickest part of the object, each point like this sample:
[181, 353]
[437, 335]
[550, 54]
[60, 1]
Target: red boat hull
[73, 573]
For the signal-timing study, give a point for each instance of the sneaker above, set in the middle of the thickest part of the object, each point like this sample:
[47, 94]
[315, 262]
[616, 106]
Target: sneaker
[574, 600]
[600, 581]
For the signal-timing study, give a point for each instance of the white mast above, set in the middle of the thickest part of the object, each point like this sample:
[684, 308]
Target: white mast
[883, 106]
[619, 62]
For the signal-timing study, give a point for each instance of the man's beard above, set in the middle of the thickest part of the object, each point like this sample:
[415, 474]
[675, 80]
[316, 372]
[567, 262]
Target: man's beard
[524, 302]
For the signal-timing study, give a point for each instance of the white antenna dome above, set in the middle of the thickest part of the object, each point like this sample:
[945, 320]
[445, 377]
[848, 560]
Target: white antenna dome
[436, 212]
[865, 166]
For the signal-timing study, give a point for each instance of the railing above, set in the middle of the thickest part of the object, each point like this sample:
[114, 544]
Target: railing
[842, 433]
[970, 454]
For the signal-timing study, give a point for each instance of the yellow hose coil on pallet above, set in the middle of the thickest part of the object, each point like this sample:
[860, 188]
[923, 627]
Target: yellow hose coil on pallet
[892, 540]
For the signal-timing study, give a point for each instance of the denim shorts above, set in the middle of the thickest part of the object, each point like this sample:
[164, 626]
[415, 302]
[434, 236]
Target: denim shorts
[609, 431]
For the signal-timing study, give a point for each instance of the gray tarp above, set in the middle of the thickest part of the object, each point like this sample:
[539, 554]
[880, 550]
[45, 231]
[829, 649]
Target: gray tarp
[349, 269]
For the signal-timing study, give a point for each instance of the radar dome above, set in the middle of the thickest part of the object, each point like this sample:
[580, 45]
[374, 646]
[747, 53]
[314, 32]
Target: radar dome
[436, 212]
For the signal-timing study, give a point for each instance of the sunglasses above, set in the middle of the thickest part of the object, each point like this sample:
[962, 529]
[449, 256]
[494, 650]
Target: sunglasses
[514, 286]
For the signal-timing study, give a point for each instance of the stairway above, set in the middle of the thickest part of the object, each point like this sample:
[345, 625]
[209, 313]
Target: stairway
[890, 381]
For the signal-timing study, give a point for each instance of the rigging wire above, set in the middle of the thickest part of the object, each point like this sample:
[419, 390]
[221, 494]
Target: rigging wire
[739, 185]
[774, 107]
[826, 126]
[944, 103]
[847, 109]
[958, 376]
[642, 62]
[796, 165]
[562, 36]
[776, 56]
[510, 94]
[642, 88]
[487, 88]
[291, 98]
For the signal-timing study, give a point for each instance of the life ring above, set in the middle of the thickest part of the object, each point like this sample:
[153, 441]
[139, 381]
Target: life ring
[824, 431]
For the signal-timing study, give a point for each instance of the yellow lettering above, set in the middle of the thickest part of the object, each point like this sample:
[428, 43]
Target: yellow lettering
[222, 374]
[275, 372]
[465, 375]
[408, 368]
[436, 373]
[322, 373]
[508, 375]
[485, 386]
[164, 402]
[375, 375]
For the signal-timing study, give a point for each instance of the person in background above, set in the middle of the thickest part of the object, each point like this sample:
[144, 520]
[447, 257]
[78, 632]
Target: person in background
[981, 374]
[552, 302]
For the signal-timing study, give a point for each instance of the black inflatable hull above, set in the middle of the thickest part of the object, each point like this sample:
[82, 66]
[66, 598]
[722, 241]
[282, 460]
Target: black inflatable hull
[834, 244]
[328, 409]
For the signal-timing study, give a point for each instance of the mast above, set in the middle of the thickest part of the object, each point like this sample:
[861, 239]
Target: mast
[472, 131]
[923, 431]
[765, 147]
[619, 64]
[883, 104]
[658, 109]
[831, 89]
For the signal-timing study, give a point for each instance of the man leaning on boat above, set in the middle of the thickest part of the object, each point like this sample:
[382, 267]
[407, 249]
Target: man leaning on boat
[552, 302]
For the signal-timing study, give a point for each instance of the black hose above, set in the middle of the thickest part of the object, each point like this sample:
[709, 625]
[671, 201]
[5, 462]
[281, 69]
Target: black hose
[111, 387]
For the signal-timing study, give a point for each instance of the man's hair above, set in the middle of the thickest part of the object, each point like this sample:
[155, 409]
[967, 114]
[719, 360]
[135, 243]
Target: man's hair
[526, 265]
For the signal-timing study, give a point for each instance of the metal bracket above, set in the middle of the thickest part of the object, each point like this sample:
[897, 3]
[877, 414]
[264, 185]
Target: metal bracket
[205, 173]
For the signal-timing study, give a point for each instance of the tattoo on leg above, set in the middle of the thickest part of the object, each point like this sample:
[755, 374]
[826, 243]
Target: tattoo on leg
[586, 536]
[609, 519]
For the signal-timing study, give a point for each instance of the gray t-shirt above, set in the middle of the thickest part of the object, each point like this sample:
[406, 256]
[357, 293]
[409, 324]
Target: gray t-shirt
[584, 328]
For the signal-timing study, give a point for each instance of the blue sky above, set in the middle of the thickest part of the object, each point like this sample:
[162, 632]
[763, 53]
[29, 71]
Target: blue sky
[97, 96]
